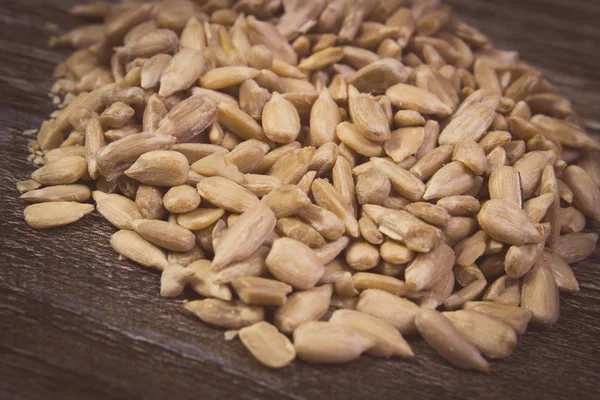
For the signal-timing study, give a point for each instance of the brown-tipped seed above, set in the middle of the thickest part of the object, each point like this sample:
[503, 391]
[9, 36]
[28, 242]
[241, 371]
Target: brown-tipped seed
[59, 213]
[164, 234]
[428, 268]
[301, 307]
[494, 338]
[447, 340]
[117, 209]
[267, 345]
[395, 310]
[280, 120]
[134, 247]
[404, 227]
[225, 314]
[586, 193]
[160, 168]
[245, 236]
[516, 317]
[388, 341]
[539, 295]
[506, 222]
[413, 98]
[261, 291]
[76, 193]
[450, 180]
[226, 194]
[295, 263]
[64, 171]
[286, 200]
[362, 256]
[575, 247]
[181, 199]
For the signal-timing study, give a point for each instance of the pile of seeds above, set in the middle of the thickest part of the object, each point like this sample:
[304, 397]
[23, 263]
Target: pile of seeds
[345, 167]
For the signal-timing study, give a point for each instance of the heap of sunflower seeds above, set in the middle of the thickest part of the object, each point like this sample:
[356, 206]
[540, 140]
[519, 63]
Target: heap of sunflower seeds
[346, 167]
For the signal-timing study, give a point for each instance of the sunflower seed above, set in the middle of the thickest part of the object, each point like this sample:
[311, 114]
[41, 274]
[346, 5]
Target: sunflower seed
[50, 215]
[225, 314]
[507, 223]
[302, 307]
[326, 343]
[267, 345]
[447, 340]
[135, 248]
[388, 341]
[69, 193]
[261, 291]
[492, 337]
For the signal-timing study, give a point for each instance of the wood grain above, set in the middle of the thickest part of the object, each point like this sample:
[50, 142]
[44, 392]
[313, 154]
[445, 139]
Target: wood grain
[77, 323]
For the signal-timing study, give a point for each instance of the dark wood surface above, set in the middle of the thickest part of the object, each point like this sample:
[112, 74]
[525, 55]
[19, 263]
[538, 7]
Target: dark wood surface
[77, 323]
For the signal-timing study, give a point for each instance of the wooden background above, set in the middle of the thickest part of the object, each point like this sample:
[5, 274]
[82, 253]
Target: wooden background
[77, 323]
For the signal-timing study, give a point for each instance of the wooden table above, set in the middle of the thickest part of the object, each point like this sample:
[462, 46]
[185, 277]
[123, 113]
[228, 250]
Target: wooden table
[75, 322]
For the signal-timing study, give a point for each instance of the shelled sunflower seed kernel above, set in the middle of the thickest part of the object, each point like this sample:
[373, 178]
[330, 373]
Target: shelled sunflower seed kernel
[375, 159]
